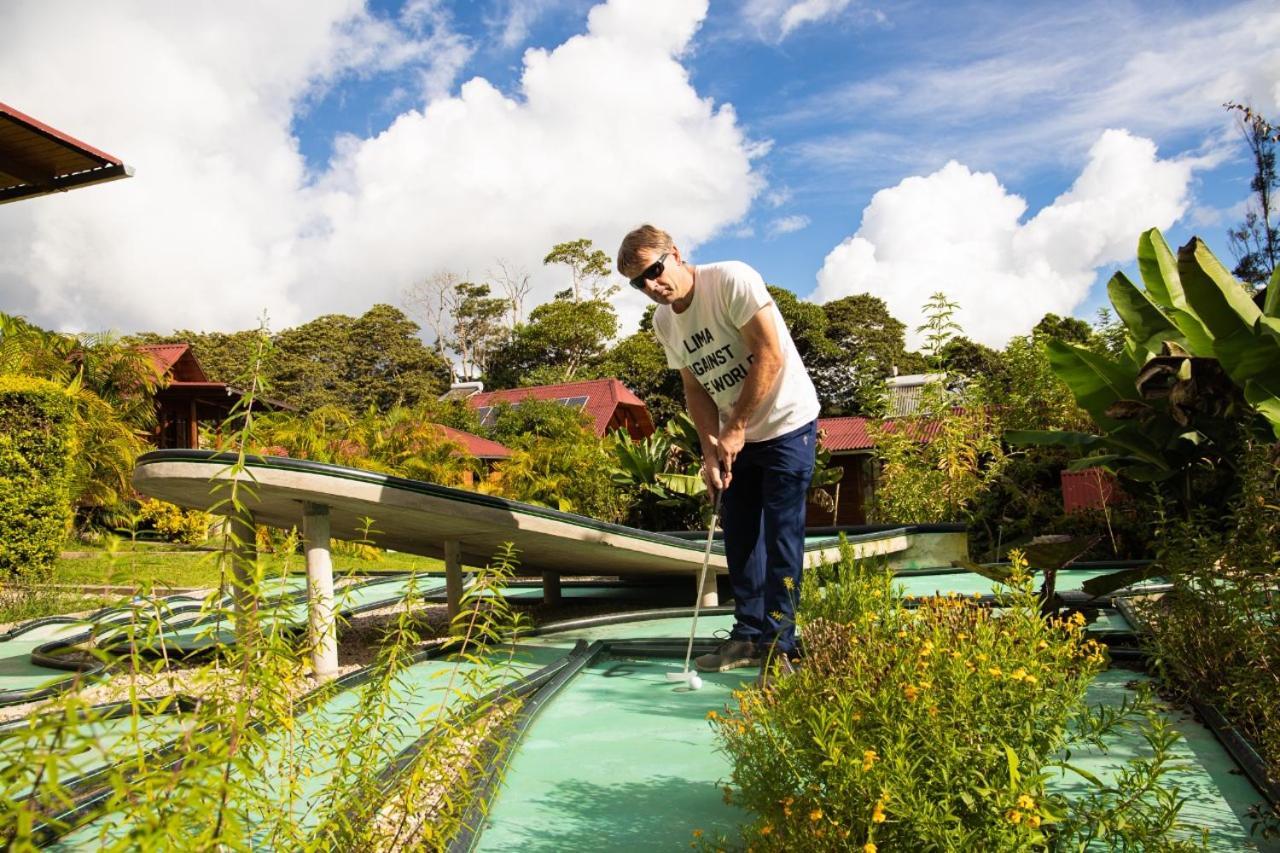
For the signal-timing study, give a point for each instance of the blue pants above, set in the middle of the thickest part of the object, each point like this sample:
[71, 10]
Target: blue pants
[763, 516]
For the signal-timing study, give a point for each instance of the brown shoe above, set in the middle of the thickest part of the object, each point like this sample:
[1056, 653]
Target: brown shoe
[778, 665]
[732, 654]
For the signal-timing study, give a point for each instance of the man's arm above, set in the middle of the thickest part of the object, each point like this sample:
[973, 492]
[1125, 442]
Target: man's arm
[761, 337]
[706, 418]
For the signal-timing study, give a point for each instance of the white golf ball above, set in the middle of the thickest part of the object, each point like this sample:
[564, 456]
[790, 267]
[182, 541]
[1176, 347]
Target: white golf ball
[695, 683]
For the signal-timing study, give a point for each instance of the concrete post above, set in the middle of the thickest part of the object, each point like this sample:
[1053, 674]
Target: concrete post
[551, 588]
[322, 627]
[709, 594]
[243, 559]
[453, 576]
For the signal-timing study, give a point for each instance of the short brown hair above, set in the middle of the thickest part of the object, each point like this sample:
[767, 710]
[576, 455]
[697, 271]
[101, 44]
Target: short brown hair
[644, 237]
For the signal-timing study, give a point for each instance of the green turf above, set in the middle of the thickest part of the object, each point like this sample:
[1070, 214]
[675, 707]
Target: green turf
[192, 568]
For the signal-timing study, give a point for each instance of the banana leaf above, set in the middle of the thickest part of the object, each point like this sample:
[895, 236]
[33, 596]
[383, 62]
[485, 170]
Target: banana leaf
[1271, 307]
[1215, 296]
[1052, 438]
[1107, 584]
[683, 484]
[1148, 327]
[1095, 380]
[1159, 270]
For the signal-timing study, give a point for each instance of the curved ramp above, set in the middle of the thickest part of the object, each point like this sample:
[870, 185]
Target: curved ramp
[419, 517]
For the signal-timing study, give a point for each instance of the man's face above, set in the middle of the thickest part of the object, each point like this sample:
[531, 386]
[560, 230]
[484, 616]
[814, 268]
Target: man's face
[672, 283]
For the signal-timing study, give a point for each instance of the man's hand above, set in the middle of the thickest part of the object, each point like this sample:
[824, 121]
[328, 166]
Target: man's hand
[714, 474]
[728, 446]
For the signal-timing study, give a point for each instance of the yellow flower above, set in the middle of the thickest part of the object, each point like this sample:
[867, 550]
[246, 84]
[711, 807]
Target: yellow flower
[1033, 821]
[711, 715]
[1031, 679]
[911, 693]
[902, 632]
[815, 815]
[1025, 802]
[1042, 645]
[1013, 816]
[869, 758]
[766, 829]
[869, 847]
[789, 582]
[1078, 618]
[1018, 674]
[697, 833]
[995, 671]
[982, 657]
[877, 814]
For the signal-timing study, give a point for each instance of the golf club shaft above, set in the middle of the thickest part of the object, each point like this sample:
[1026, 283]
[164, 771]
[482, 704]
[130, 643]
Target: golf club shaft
[702, 579]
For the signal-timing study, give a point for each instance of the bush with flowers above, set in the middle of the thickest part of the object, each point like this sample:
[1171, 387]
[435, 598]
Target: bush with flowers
[929, 727]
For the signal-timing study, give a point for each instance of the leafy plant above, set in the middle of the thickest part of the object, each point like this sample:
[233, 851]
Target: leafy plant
[934, 728]
[1199, 360]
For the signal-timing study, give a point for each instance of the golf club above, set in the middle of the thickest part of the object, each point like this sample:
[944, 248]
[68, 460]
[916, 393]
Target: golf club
[692, 679]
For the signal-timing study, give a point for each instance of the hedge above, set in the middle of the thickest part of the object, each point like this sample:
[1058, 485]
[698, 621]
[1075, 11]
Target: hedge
[37, 447]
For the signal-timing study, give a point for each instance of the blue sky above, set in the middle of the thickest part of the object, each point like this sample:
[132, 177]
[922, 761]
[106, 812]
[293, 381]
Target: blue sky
[790, 117]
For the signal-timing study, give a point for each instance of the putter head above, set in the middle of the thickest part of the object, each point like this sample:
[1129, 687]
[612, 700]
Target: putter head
[679, 676]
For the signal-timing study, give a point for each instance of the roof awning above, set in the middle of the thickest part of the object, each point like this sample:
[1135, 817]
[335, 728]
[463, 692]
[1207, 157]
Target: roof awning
[37, 160]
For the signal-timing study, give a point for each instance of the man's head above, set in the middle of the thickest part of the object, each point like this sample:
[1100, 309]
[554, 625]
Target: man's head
[652, 263]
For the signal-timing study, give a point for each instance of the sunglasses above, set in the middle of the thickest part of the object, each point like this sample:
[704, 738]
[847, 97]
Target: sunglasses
[650, 272]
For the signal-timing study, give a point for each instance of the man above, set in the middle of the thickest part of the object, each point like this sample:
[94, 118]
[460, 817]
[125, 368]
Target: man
[756, 412]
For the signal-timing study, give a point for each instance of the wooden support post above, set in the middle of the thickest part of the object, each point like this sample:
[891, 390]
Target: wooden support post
[323, 630]
[244, 595]
[551, 588]
[453, 576]
[709, 593]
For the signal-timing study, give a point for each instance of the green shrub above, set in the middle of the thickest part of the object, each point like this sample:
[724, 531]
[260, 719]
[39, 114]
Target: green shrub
[188, 526]
[1214, 634]
[37, 448]
[931, 728]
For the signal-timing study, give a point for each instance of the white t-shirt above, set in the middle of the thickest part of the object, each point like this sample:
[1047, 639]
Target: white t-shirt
[706, 339]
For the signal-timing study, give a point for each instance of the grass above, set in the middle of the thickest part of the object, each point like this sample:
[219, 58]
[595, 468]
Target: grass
[172, 566]
[21, 605]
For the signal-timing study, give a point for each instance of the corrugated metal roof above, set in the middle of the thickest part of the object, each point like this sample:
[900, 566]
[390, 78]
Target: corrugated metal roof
[845, 434]
[477, 446]
[603, 397]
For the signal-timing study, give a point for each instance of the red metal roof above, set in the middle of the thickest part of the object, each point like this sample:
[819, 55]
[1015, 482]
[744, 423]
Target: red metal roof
[164, 356]
[477, 446]
[843, 435]
[603, 397]
[36, 159]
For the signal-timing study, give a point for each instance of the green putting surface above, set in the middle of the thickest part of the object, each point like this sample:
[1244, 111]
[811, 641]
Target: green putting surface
[289, 613]
[321, 739]
[621, 759]
[1217, 794]
[87, 746]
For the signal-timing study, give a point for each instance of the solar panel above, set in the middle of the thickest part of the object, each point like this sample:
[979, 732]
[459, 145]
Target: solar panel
[487, 416]
[573, 402]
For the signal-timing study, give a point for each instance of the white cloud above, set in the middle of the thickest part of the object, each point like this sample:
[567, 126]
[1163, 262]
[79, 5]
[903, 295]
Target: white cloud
[960, 232]
[222, 221]
[1025, 89]
[777, 19]
[788, 225]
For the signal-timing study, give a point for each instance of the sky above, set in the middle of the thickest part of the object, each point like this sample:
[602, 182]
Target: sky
[304, 157]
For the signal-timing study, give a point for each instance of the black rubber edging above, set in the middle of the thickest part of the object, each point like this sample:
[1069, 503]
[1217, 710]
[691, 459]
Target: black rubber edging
[1237, 745]
[499, 754]
[392, 772]
[85, 783]
[88, 809]
[619, 617]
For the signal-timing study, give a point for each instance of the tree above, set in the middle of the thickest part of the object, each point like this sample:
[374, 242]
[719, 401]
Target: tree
[939, 328]
[1063, 328]
[869, 344]
[972, 359]
[515, 283]
[477, 327]
[1255, 243]
[431, 300]
[587, 266]
[560, 339]
[374, 360]
[639, 363]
